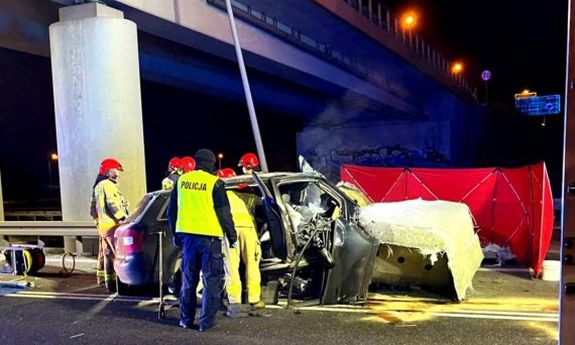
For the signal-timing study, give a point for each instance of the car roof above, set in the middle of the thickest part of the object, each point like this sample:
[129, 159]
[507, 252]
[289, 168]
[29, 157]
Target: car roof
[248, 179]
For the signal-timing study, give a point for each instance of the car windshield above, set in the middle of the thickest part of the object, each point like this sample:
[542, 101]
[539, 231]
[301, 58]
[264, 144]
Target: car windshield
[307, 199]
[140, 207]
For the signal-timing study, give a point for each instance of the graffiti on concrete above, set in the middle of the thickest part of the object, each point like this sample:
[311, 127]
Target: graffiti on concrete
[329, 162]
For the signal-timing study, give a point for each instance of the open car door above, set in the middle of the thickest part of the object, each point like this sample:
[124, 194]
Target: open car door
[276, 222]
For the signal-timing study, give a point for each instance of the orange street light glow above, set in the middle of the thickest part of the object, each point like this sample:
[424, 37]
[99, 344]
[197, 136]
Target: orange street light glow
[54, 156]
[457, 68]
[409, 20]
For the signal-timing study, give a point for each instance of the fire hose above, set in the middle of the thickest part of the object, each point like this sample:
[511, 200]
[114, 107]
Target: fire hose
[65, 271]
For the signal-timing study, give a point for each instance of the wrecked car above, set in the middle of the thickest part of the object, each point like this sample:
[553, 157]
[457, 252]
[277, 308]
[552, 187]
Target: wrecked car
[312, 245]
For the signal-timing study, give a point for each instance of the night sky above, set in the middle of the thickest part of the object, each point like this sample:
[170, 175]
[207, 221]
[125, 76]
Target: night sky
[522, 42]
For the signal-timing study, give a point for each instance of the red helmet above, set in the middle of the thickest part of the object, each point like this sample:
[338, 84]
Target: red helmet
[249, 161]
[226, 172]
[187, 164]
[109, 163]
[175, 163]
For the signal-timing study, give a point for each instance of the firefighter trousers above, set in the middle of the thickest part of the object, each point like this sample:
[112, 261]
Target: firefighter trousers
[105, 273]
[249, 251]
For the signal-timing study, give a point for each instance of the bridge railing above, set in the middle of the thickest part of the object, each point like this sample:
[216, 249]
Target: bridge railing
[294, 36]
[384, 19]
[380, 19]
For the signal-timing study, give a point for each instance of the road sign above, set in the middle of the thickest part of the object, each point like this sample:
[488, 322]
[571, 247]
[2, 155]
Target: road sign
[541, 105]
[486, 75]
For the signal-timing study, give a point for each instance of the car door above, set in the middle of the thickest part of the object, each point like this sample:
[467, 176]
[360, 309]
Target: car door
[353, 253]
[276, 220]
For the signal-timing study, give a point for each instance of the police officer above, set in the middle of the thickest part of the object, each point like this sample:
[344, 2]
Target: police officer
[108, 208]
[199, 215]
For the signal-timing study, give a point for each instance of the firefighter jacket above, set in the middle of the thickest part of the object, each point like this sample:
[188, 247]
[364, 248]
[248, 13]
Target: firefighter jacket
[108, 205]
[200, 206]
[240, 213]
[170, 181]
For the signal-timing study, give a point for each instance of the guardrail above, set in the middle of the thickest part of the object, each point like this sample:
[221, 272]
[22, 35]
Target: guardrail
[48, 229]
[41, 215]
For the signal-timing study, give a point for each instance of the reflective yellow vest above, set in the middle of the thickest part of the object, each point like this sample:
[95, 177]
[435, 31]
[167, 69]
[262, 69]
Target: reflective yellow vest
[110, 206]
[196, 213]
[167, 183]
[240, 213]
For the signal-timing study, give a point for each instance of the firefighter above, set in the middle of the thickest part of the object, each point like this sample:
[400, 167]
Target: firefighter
[173, 172]
[108, 209]
[199, 216]
[249, 162]
[187, 164]
[249, 251]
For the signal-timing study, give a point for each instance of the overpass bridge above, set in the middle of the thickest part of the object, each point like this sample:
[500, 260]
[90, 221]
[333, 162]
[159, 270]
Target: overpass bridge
[357, 87]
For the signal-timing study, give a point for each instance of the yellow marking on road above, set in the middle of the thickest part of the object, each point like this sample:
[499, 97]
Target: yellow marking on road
[402, 309]
[550, 330]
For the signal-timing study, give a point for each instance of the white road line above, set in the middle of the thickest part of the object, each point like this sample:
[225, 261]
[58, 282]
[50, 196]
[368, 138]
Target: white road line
[64, 297]
[503, 269]
[472, 314]
[87, 295]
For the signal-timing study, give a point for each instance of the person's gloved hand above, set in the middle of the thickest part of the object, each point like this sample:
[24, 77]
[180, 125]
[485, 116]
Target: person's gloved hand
[177, 241]
[234, 244]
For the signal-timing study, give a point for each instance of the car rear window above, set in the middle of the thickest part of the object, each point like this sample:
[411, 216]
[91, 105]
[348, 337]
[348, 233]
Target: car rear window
[140, 208]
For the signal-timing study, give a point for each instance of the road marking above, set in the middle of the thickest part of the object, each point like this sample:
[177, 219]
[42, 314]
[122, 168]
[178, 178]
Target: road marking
[498, 317]
[471, 314]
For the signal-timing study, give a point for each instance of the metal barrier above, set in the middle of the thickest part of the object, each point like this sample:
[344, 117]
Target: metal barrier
[48, 229]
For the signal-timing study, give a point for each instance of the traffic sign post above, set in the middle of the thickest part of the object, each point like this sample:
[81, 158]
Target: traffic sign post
[486, 75]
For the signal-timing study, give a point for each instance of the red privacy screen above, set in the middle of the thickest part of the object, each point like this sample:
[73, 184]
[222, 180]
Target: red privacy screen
[511, 206]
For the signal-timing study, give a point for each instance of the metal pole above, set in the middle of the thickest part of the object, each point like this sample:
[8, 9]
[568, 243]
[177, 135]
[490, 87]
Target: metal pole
[567, 283]
[247, 91]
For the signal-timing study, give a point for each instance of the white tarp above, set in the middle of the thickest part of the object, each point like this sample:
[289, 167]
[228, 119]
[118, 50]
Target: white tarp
[433, 228]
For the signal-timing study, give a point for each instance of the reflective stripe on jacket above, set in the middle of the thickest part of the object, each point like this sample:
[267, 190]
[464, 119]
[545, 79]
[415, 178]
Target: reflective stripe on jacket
[110, 205]
[196, 212]
[170, 181]
[240, 213]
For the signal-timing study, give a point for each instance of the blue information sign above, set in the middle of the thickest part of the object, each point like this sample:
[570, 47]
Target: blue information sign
[539, 105]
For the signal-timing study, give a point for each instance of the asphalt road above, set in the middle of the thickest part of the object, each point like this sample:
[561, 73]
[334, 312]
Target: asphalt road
[504, 308]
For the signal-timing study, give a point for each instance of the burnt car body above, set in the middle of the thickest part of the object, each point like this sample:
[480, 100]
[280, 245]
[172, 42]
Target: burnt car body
[312, 244]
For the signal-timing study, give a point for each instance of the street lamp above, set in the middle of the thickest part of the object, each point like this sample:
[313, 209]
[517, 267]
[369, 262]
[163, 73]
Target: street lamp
[409, 20]
[457, 68]
[220, 157]
[52, 158]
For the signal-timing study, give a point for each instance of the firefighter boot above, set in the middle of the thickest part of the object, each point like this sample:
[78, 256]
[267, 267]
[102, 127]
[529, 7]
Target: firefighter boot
[234, 310]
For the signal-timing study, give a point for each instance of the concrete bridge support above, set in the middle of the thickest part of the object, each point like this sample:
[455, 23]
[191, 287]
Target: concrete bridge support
[95, 71]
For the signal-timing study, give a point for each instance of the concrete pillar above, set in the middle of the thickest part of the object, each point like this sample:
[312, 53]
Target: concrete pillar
[1, 200]
[3, 239]
[95, 71]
